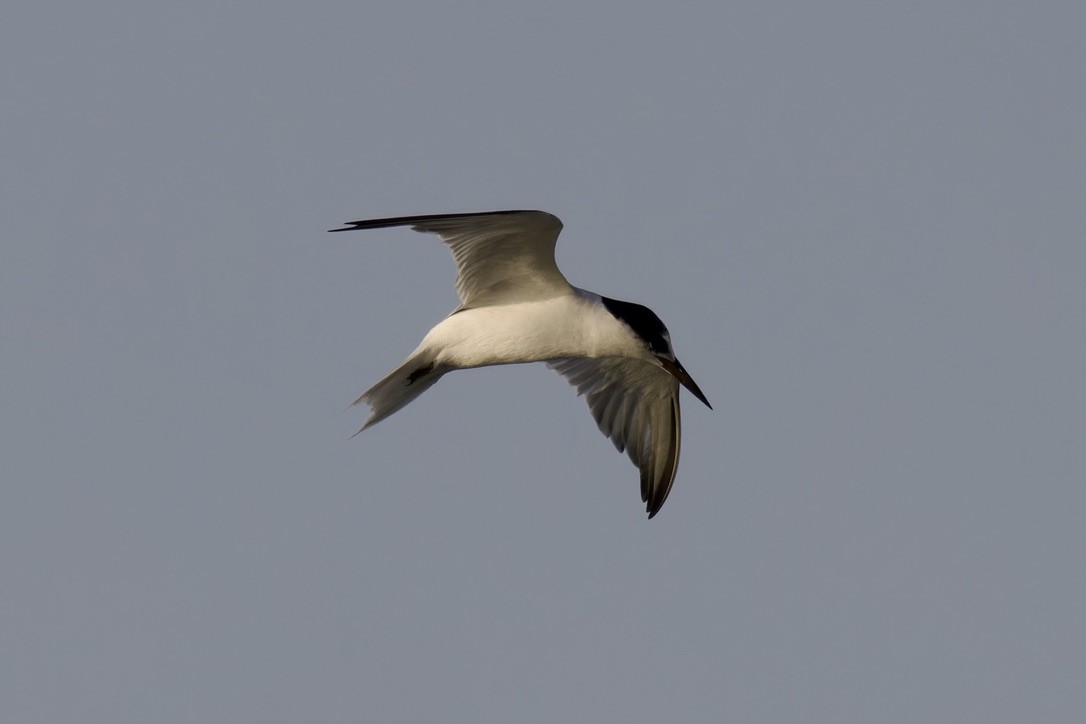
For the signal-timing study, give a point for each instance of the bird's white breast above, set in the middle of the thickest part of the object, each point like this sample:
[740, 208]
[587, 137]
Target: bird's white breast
[570, 325]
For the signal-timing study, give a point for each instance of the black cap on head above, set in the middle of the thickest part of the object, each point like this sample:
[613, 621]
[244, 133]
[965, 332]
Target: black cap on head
[646, 325]
[643, 321]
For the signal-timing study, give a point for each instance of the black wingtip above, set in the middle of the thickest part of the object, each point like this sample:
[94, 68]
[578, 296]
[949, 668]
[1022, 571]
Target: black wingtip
[655, 503]
[412, 220]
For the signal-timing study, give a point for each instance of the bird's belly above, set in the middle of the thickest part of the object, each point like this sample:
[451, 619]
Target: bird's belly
[565, 326]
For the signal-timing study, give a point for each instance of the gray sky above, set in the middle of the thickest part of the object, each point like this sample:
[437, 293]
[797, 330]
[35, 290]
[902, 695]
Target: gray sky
[864, 224]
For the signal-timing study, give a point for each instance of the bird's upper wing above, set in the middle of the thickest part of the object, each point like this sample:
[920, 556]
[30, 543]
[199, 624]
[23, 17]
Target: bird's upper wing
[501, 256]
[636, 404]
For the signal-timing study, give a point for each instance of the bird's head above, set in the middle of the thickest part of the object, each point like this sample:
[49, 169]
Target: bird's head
[651, 330]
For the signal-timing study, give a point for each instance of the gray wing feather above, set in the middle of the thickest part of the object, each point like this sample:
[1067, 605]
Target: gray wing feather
[636, 405]
[501, 256]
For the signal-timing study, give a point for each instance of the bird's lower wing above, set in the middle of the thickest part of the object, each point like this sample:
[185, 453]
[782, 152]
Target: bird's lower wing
[636, 404]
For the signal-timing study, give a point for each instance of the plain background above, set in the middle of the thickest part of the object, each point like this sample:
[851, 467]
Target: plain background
[863, 222]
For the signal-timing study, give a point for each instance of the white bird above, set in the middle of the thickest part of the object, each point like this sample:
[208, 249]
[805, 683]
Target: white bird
[515, 306]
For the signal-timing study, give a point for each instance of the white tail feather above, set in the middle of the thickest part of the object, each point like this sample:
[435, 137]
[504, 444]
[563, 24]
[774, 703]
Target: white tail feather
[413, 377]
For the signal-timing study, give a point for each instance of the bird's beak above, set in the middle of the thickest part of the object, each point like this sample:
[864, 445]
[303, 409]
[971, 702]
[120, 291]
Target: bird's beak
[676, 369]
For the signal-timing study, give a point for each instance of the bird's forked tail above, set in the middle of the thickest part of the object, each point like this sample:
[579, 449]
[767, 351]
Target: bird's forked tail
[414, 376]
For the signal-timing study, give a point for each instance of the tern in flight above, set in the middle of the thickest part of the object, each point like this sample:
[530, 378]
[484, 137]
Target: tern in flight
[515, 306]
